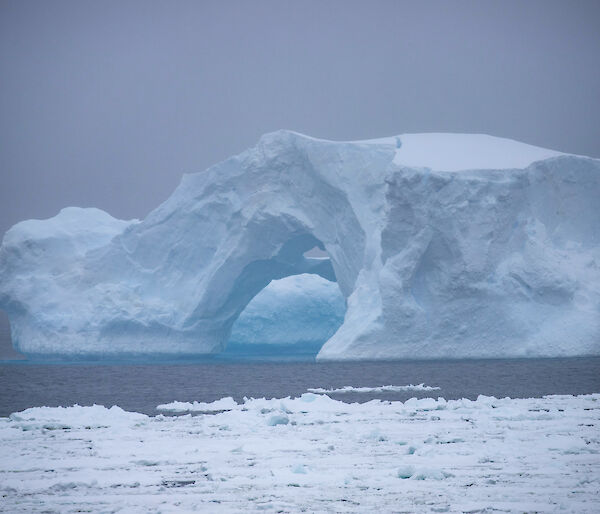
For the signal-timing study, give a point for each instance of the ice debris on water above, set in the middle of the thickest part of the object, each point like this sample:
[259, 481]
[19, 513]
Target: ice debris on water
[378, 389]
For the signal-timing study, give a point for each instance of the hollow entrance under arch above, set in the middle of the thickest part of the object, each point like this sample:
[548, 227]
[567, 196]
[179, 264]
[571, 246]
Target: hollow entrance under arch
[291, 317]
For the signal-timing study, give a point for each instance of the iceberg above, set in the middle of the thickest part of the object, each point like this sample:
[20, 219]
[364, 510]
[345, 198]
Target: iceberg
[441, 245]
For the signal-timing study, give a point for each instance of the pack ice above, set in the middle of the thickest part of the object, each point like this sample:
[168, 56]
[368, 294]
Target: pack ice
[442, 245]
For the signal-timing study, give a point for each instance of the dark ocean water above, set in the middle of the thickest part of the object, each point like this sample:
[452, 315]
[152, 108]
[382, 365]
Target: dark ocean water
[142, 387]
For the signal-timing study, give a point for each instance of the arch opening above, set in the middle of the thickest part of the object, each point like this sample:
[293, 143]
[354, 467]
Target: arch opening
[292, 304]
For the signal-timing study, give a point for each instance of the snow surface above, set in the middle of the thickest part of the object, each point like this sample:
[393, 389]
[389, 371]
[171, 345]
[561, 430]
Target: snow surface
[456, 152]
[443, 245]
[312, 454]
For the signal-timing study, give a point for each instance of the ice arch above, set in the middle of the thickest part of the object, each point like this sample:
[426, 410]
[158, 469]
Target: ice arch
[443, 245]
[255, 276]
[175, 282]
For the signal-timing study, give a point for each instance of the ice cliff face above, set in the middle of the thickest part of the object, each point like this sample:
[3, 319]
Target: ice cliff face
[444, 245]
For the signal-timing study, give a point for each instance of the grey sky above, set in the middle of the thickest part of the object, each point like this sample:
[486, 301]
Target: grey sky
[106, 104]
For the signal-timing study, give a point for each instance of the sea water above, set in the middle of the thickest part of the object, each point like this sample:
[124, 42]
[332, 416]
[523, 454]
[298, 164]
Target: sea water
[141, 388]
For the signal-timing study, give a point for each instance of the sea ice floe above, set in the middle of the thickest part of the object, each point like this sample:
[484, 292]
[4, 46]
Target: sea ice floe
[379, 389]
[227, 403]
[422, 455]
[77, 416]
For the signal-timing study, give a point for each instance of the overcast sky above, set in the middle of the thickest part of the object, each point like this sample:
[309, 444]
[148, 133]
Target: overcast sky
[107, 103]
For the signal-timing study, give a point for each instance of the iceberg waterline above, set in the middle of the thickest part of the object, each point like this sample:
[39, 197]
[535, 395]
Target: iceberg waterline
[442, 245]
[308, 453]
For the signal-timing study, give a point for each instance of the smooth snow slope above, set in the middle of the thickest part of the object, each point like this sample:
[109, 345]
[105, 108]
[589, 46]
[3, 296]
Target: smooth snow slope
[444, 245]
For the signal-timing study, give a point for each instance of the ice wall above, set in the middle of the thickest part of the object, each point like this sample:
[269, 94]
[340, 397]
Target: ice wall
[444, 245]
